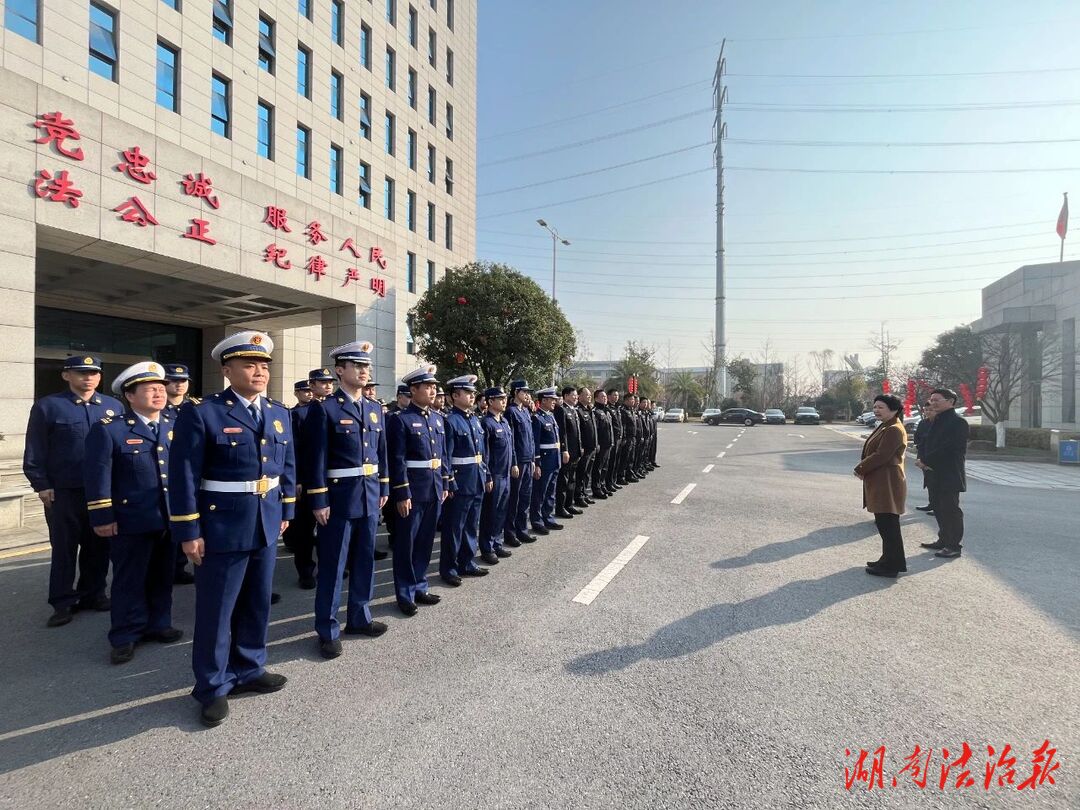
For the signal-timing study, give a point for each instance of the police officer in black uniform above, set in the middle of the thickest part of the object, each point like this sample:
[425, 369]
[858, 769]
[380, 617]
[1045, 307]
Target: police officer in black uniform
[568, 420]
[583, 475]
[605, 441]
[615, 456]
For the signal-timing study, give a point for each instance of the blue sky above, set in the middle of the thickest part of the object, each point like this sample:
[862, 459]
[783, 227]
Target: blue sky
[816, 260]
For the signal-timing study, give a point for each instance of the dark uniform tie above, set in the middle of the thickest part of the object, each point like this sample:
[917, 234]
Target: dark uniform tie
[256, 414]
[153, 428]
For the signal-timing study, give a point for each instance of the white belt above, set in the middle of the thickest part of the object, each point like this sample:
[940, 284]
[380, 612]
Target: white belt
[467, 459]
[353, 472]
[549, 447]
[260, 487]
[430, 464]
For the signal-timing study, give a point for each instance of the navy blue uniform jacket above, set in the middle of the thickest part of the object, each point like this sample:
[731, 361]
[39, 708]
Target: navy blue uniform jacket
[546, 432]
[465, 440]
[499, 441]
[56, 437]
[418, 436]
[126, 474]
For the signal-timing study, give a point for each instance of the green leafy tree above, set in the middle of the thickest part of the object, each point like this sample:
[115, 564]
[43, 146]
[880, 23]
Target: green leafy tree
[686, 390]
[954, 358]
[744, 375]
[638, 361]
[490, 320]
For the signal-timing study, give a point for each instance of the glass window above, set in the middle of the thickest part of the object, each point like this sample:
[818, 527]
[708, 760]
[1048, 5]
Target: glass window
[168, 75]
[220, 120]
[410, 149]
[303, 151]
[391, 70]
[431, 221]
[337, 22]
[430, 163]
[432, 45]
[173, 4]
[410, 341]
[304, 7]
[303, 71]
[449, 67]
[410, 271]
[365, 46]
[449, 176]
[222, 15]
[365, 116]
[337, 91]
[23, 17]
[432, 104]
[266, 44]
[449, 121]
[449, 232]
[410, 210]
[365, 185]
[412, 88]
[391, 127]
[391, 11]
[266, 130]
[336, 159]
[430, 274]
[434, 4]
[388, 198]
[103, 58]
[414, 27]
[450, 14]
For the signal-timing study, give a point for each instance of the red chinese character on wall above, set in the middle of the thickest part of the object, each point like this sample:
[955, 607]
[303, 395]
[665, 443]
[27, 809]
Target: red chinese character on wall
[133, 210]
[377, 257]
[201, 186]
[378, 286]
[134, 166]
[314, 233]
[56, 189]
[352, 274]
[276, 254]
[200, 230]
[316, 266]
[349, 245]
[277, 218]
[57, 130]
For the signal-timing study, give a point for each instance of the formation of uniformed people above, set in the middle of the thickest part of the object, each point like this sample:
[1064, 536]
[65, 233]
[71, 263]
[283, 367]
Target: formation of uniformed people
[219, 480]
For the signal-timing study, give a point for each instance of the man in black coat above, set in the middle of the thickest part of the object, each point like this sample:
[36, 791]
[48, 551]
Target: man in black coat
[566, 415]
[617, 444]
[922, 430]
[631, 434]
[605, 441]
[943, 454]
[588, 448]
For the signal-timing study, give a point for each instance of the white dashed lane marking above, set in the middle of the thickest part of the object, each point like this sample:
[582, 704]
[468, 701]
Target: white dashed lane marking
[721, 455]
[708, 469]
[682, 495]
[601, 580]
[730, 446]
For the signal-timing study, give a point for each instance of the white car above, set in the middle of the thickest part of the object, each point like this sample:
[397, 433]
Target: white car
[675, 415]
[709, 412]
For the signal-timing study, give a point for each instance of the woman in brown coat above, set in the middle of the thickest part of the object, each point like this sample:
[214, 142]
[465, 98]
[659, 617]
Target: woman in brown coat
[884, 486]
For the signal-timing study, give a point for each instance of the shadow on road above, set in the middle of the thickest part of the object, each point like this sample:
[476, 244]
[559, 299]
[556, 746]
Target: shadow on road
[788, 604]
[814, 541]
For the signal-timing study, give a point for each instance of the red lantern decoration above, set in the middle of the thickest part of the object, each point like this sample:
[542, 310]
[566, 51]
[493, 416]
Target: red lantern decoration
[885, 387]
[459, 358]
[969, 400]
[462, 300]
[428, 316]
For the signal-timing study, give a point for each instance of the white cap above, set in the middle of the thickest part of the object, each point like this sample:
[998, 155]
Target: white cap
[244, 344]
[146, 371]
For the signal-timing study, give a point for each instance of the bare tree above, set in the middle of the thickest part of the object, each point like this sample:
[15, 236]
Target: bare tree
[820, 362]
[1021, 365]
[883, 344]
[712, 377]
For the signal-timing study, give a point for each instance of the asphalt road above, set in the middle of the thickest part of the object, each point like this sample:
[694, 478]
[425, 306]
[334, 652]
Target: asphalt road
[730, 663]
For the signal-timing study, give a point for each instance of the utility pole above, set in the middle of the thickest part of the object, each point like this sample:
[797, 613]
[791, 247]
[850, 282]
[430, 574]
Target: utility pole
[719, 133]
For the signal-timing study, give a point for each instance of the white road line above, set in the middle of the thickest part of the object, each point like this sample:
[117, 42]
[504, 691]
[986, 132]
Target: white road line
[682, 495]
[721, 455]
[797, 435]
[601, 580]
[708, 469]
[730, 446]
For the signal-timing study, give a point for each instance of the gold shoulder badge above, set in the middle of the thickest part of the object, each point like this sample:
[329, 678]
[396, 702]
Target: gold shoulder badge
[280, 428]
[374, 417]
[110, 412]
[170, 435]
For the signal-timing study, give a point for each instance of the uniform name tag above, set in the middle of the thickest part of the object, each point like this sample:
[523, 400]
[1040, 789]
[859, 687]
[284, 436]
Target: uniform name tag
[134, 441]
[346, 421]
[417, 424]
[232, 430]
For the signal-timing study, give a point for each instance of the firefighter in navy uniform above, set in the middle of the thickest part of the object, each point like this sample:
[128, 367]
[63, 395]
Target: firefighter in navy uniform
[345, 475]
[177, 383]
[231, 494]
[549, 456]
[303, 393]
[466, 452]
[53, 463]
[519, 418]
[125, 492]
[300, 536]
[502, 468]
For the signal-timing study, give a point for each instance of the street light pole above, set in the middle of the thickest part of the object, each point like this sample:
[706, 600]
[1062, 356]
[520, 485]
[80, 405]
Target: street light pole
[555, 240]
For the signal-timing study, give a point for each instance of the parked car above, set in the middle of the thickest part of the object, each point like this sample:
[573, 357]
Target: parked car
[708, 412]
[658, 413]
[912, 422]
[775, 416]
[743, 416]
[807, 416]
[675, 415]
[864, 418]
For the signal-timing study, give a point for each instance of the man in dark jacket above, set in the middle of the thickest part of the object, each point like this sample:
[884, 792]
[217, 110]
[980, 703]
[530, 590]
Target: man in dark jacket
[617, 441]
[922, 430]
[943, 454]
[588, 449]
[605, 441]
[566, 416]
[631, 434]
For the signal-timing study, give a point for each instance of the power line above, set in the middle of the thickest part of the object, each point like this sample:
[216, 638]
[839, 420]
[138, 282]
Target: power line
[895, 144]
[791, 169]
[607, 286]
[963, 75]
[899, 33]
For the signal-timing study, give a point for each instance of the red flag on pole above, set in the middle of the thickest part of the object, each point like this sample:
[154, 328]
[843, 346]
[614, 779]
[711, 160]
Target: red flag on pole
[1063, 218]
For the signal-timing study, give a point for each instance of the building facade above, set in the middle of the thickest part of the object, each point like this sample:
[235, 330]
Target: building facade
[1038, 304]
[173, 170]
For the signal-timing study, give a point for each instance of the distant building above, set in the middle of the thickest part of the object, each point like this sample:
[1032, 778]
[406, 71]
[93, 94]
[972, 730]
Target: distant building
[834, 376]
[599, 371]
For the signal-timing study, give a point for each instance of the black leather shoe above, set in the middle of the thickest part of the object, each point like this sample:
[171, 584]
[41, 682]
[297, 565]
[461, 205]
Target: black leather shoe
[875, 563]
[541, 530]
[453, 580]
[265, 684]
[428, 599]
[307, 583]
[937, 545]
[274, 597]
[948, 553]
[475, 572]
[408, 608]
[874, 571]
[214, 713]
[926, 508]
[60, 617]
[503, 553]
[373, 630]
[330, 648]
[563, 514]
[122, 654]
[183, 577]
[525, 537]
[490, 558]
[618, 485]
[582, 504]
[169, 635]
[555, 527]
[589, 500]
[573, 510]
[602, 496]
[513, 542]
[381, 555]
[100, 604]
